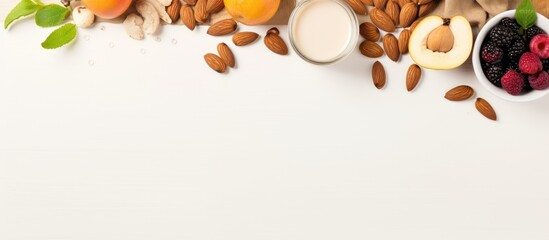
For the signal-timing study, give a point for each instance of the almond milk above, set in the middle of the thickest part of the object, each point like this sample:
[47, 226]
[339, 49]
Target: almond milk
[323, 31]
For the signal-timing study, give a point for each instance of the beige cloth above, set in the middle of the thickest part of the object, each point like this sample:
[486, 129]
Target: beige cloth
[476, 11]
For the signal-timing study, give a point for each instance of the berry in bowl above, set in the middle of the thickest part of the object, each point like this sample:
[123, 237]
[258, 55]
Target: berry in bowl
[511, 56]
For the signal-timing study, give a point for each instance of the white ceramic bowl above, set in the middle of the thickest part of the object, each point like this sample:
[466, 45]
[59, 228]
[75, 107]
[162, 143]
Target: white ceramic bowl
[542, 22]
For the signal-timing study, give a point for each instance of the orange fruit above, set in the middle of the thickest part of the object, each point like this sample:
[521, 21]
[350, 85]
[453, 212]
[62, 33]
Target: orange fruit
[252, 12]
[107, 8]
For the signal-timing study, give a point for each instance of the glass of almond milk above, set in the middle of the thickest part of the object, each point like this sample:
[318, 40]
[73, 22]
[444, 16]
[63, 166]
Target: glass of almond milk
[323, 31]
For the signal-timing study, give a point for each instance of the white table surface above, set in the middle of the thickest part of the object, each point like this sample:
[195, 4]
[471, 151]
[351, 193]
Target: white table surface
[158, 146]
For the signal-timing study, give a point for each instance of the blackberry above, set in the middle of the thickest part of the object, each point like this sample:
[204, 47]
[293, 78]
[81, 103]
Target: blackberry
[517, 48]
[532, 32]
[545, 63]
[502, 36]
[494, 74]
[491, 53]
[512, 65]
[510, 23]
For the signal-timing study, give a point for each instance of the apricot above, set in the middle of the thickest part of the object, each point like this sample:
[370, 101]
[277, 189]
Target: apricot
[108, 9]
[252, 12]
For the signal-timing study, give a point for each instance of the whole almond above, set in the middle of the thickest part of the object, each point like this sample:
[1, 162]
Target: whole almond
[369, 31]
[223, 27]
[401, 3]
[421, 2]
[274, 42]
[226, 54]
[393, 10]
[459, 93]
[357, 6]
[382, 20]
[244, 38]
[368, 2]
[485, 109]
[174, 10]
[390, 44]
[408, 14]
[214, 6]
[427, 8]
[378, 75]
[190, 2]
[412, 77]
[187, 17]
[380, 4]
[215, 62]
[200, 13]
[414, 24]
[403, 39]
[370, 49]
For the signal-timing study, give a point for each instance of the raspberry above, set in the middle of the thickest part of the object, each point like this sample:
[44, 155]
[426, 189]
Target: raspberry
[517, 48]
[510, 23]
[494, 73]
[532, 32]
[539, 81]
[529, 63]
[540, 45]
[512, 82]
[491, 53]
[502, 36]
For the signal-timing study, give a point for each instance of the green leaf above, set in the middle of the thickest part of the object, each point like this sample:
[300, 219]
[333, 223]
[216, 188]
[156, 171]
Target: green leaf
[526, 14]
[61, 36]
[51, 15]
[23, 8]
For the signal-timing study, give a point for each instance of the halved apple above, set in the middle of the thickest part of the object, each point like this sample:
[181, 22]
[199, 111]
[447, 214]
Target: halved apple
[441, 43]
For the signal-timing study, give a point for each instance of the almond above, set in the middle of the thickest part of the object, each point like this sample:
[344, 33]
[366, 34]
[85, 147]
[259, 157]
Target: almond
[427, 8]
[369, 31]
[174, 10]
[274, 42]
[378, 75]
[190, 2]
[226, 54]
[200, 13]
[390, 44]
[421, 2]
[370, 49]
[403, 39]
[368, 2]
[393, 10]
[187, 17]
[380, 3]
[382, 20]
[485, 109]
[414, 24]
[401, 3]
[408, 14]
[215, 62]
[412, 77]
[357, 6]
[214, 6]
[222, 27]
[459, 93]
[244, 38]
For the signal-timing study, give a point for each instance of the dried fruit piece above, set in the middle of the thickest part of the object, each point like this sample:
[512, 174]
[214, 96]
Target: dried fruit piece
[382, 20]
[369, 31]
[370, 49]
[427, 8]
[390, 44]
[485, 109]
[200, 13]
[393, 10]
[412, 77]
[215, 62]
[274, 42]
[403, 39]
[222, 27]
[459, 93]
[244, 38]
[380, 3]
[378, 75]
[187, 17]
[408, 14]
[357, 6]
[214, 6]
[174, 10]
[226, 54]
